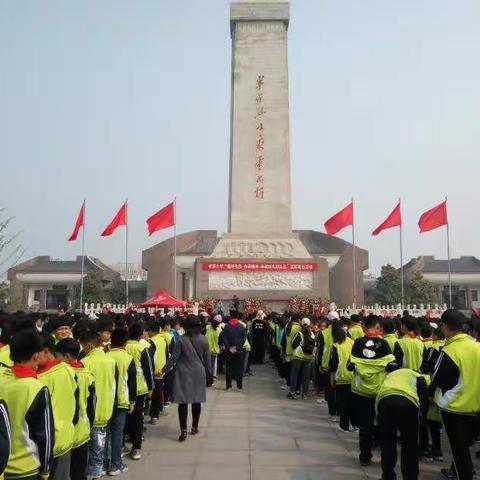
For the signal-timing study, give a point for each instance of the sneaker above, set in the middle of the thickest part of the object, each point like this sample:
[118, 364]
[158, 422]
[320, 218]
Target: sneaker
[284, 387]
[154, 421]
[437, 458]
[118, 471]
[228, 389]
[334, 419]
[365, 463]
[350, 430]
[425, 457]
[320, 400]
[163, 413]
[304, 397]
[135, 454]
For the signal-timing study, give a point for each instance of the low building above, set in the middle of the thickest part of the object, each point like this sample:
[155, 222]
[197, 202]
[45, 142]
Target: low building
[45, 284]
[465, 272]
[193, 248]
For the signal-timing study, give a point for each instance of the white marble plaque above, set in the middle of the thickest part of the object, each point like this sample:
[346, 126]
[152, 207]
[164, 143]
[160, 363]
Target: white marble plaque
[260, 280]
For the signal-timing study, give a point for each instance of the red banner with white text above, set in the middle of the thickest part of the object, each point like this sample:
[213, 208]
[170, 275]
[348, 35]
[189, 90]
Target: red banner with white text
[259, 267]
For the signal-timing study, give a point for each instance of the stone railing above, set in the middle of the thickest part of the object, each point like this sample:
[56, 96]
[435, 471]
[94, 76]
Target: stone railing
[431, 311]
[97, 308]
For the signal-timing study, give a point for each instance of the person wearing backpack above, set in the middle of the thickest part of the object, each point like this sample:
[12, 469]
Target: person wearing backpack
[303, 345]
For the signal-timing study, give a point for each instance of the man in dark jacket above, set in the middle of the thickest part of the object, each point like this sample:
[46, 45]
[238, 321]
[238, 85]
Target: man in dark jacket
[233, 339]
[259, 332]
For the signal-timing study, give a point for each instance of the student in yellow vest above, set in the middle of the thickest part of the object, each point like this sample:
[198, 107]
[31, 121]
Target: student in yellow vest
[126, 381]
[426, 333]
[102, 368]
[213, 332]
[68, 350]
[62, 385]
[145, 381]
[29, 406]
[291, 330]
[160, 355]
[6, 326]
[61, 327]
[389, 332]
[400, 398]
[303, 345]
[355, 330]
[5, 437]
[409, 351]
[165, 323]
[341, 378]
[325, 344]
[371, 358]
[105, 329]
[457, 385]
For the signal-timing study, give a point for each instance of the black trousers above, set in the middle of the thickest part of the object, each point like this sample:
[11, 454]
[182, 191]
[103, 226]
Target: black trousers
[343, 394]
[234, 369]
[460, 431]
[397, 413]
[365, 418]
[135, 422]
[330, 395]
[156, 405]
[79, 463]
[183, 415]
[258, 351]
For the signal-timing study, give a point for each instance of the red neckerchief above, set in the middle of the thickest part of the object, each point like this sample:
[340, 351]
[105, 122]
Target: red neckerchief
[76, 364]
[23, 371]
[425, 340]
[49, 365]
[233, 321]
[372, 334]
[1, 345]
[412, 335]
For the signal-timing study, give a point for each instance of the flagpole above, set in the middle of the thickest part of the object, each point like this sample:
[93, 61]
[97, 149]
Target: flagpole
[449, 259]
[354, 257]
[83, 254]
[175, 247]
[401, 259]
[126, 253]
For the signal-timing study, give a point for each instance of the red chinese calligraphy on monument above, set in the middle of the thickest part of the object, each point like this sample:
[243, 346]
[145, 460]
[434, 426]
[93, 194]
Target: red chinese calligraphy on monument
[259, 267]
[260, 112]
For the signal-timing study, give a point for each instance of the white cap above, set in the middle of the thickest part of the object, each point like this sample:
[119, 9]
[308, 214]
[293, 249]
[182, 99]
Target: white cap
[261, 315]
[306, 321]
[333, 316]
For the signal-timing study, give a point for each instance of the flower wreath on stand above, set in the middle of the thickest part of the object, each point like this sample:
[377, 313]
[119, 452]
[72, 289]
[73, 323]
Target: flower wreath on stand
[252, 305]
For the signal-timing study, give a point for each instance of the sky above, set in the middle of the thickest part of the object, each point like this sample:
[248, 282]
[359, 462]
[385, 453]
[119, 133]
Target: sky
[112, 99]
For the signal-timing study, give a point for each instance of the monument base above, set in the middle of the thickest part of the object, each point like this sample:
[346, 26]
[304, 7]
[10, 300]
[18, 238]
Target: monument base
[274, 280]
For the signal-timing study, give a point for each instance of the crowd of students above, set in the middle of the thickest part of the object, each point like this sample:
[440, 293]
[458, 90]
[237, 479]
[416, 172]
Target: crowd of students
[387, 376]
[75, 390]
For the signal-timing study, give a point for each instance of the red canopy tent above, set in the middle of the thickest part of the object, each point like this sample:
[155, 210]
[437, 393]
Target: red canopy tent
[162, 299]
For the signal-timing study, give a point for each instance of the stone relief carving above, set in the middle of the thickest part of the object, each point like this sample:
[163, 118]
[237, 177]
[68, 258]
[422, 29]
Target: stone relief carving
[257, 249]
[260, 280]
[261, 27]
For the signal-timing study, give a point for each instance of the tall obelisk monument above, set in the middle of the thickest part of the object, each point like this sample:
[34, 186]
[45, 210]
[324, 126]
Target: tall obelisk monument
[260, 218]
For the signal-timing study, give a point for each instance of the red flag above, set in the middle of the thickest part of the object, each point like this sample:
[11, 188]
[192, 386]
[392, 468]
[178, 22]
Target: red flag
[344, 218]
[164, 218]
[434, 218]
[119, 220]
[79, 223]
[393, 220]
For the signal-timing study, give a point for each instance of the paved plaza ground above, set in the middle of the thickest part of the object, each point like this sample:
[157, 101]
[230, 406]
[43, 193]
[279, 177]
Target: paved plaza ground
[256, 434]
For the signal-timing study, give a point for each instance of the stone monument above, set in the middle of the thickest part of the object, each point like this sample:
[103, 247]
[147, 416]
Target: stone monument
[260, 254]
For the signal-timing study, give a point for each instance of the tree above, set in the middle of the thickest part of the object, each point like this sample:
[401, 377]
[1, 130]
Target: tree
[10, 250]
[116, 293]
[389, 286]
[419, 290]
[93, 291]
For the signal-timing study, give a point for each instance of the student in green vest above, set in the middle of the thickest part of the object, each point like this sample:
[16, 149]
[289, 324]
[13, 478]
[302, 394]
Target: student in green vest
[389, 332]
[145, 381]
[371, 358]
[68, 350]
[303, 345]
[5, 437]
[30, 411]
[159, 353]
[102, 368]
[60, 380]
[355, 330]
[400, 399]
[341, 377]
[456, 382]
[409, 351]
[126, 396]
